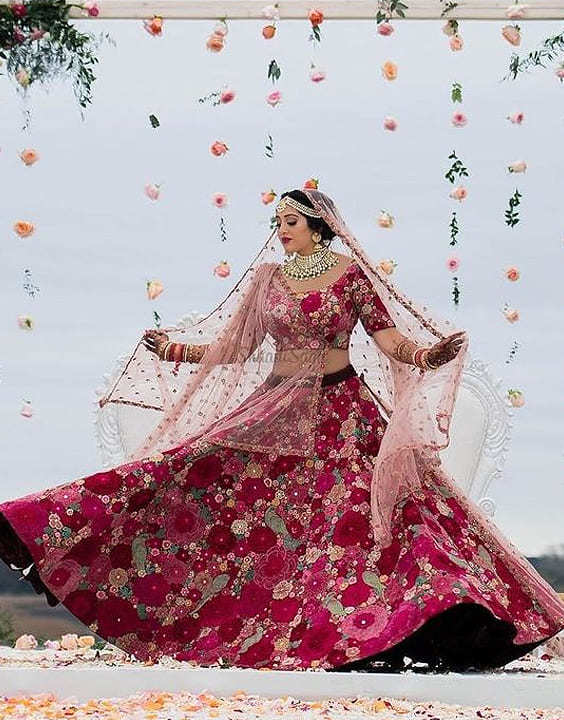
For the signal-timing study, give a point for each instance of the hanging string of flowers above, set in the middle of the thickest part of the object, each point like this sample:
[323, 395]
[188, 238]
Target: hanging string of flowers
[457, 169]
[39, 44]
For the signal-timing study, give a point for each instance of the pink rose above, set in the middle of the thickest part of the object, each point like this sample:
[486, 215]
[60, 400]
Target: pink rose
[517, 167]
[154, 26]
[18, 10]
[516, 11]
[215, 42]
[512, 273]
[154, 289]
[69, 641]
[222, 270]
[274, 98]
[23, 77]
[390, 123]
[456, 42]
[152, 191]
[316, 75]
[52, 644]
[512, 34]
[459, 119]
[516, 398]
[219, 200]
[385, 29]
[218, 148]
[385, 220]
[267, 197]
[227, 96]
[29, 156]
[517, 118]
[560, 73]
[270, 12]
[449, 28]
[25, 642]
[458, 193]
[91, 7]
[511, 315]
[27, 410]
[453, 263]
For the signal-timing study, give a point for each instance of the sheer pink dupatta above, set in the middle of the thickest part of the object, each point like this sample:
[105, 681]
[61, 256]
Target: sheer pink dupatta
[419, 404]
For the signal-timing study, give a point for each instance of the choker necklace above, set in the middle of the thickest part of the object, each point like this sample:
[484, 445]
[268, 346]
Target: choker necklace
[303, 267]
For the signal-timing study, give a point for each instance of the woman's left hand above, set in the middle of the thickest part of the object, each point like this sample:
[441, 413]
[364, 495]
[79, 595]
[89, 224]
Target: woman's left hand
[446, 349]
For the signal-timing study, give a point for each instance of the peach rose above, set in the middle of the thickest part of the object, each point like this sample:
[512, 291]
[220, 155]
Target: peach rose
[385, 220]
[274, 98]
[23, 77]
[390, 70]
[559, 72]
[456, 42]
[227, 96]
[517, 118]
[154, 289]
[516, 398]
[316, 75]
[218, 148]
[69, 641]
[26, 411]
[267, 197]
[25, 322]
[86, 641]
[390, 123]
[459, 119]
[385, 29]
[516, 11]
[312, 183]
[215, 42]
[268, 32]
[154, 26]
[222, 270]
[511, 315]
[23, 228]
[315, 17]
[459, 193]
[387, 266]
[512, 273]
[152, 191]
[29, 156]
[219, 200]
[517, 167]
[453, 263]
[25, 642]
[512, 34]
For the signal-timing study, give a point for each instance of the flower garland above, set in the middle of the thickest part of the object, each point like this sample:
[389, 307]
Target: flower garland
[40, 44]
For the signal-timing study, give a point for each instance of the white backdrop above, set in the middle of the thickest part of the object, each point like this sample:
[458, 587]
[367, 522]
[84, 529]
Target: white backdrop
[99, 238]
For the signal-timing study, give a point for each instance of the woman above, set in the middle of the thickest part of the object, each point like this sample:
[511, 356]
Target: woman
[283, 513]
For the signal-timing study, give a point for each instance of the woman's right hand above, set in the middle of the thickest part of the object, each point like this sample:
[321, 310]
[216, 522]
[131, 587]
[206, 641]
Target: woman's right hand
[155, 340]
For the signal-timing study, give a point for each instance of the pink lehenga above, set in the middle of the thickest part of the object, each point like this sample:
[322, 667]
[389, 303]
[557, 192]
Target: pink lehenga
[295, 528]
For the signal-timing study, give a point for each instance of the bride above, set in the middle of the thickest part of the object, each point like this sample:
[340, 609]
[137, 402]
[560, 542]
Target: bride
[277, 509]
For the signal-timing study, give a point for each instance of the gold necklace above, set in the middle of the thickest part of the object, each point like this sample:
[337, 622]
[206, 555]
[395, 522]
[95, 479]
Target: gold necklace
[303, 267]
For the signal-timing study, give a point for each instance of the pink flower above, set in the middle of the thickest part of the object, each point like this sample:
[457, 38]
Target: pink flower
[459, 119]
[274, 98]
[152, 191]
[91, 7]
[453, 263]
[267, 197]
[511, 315]
[387, 266]
[25, 322]
[512, 34]
[29, 156]
[215, 42]
[456, 42]
[517, 118]
[385, 220]
[218, 148]
[516, 11]
[69, 641]
[23, 77]
[449, 28]
[227, 96]
[52, 644]
[27, 410]
[518, 166]
[222, 270]
[559, 72]
[37, 34]
[390, 123]
[316, 75]
[18, 9]
[219, 200]
[270, 12]
[154, 26]
[459, 193]
[385, 29]
[366, 622]
[512, 273]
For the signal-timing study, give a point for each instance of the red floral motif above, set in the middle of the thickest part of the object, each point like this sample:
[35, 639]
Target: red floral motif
[277, 564]
[151, 589]
[351, 528]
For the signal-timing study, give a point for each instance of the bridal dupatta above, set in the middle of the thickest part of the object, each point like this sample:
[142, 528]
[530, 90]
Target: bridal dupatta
[226, 399]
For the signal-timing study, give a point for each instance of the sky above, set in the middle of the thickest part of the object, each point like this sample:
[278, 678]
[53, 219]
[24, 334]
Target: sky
[98, 238]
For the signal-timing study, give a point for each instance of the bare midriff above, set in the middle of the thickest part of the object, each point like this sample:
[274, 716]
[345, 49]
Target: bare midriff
[286, 362]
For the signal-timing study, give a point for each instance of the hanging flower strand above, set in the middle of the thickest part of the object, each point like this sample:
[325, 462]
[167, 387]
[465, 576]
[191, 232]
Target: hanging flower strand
[270, 12]
[40, 44]
[316, 18]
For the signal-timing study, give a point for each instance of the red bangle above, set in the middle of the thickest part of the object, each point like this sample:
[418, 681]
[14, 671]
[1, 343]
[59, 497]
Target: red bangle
[177, 352]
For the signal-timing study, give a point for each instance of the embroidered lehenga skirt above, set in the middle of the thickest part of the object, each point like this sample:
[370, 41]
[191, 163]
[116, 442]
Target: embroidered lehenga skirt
[238, 559]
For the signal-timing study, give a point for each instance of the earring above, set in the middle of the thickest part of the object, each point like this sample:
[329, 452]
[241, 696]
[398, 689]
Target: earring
[316, 237]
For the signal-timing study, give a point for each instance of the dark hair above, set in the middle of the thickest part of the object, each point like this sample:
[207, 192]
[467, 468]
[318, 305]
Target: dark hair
[315, 224]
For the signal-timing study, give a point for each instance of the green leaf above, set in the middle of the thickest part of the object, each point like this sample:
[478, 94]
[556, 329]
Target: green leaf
[373, 581]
